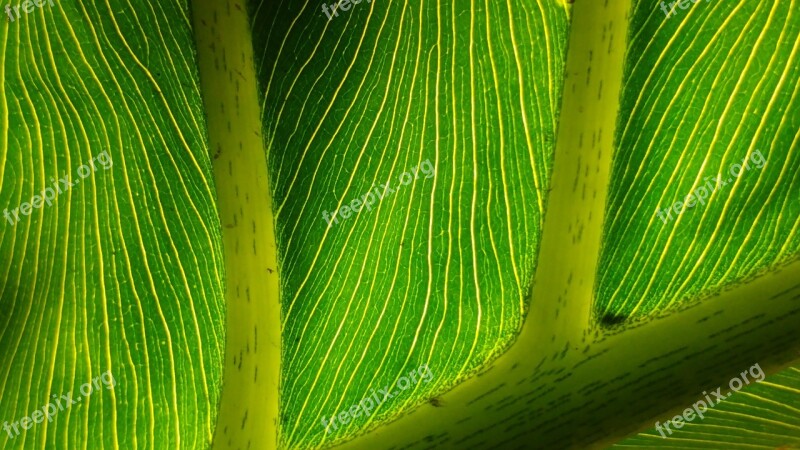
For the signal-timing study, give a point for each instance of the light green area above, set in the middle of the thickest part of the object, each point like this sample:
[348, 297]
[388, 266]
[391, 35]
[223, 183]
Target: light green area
[763, 415]
[248, 410]
[123, 272]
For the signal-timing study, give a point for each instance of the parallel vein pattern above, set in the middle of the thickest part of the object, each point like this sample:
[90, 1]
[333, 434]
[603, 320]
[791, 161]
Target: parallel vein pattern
[436, 272]
[122, 273]
[763, 415]
[704, 90]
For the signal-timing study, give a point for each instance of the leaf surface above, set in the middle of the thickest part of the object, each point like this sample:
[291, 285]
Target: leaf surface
[709, 118]
[453, 108]
[122, 273]
[763, 415]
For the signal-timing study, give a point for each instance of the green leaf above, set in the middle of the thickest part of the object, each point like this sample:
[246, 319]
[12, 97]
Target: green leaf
[514, 287]
[453, 108]
[708, 113]
[761, 415]
[572, 380]
[122, 273]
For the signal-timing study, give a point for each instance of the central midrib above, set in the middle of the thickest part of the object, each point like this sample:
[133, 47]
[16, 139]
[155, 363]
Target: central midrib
[248, 413]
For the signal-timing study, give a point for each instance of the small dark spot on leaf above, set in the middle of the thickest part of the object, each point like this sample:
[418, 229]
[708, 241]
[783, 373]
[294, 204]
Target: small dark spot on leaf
[612, 319]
